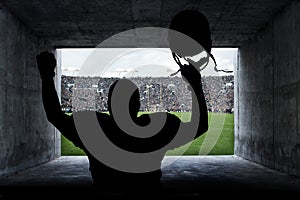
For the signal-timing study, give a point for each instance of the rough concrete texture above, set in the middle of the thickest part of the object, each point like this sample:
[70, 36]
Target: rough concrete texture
[87, 23]
[188, 177]
[26, 138]
[267, 126]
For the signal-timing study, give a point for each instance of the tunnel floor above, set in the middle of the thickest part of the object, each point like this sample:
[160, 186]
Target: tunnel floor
[186, 177]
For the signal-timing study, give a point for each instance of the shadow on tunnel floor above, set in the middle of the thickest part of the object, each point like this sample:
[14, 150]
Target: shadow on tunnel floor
[231, 191]
[186, 178]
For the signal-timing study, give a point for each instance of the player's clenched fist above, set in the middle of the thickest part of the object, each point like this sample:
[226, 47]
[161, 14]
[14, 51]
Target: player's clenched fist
[46, 63]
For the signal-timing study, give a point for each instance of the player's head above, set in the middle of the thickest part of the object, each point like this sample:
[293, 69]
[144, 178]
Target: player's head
[134, 102]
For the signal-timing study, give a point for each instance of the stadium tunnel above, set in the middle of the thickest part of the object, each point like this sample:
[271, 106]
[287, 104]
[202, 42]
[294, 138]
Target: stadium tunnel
[267, 89]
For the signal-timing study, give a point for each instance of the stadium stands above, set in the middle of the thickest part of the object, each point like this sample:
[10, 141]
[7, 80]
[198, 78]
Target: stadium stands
[157, 93]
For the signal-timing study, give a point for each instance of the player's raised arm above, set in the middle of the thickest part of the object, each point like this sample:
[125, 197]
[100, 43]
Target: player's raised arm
[46, 63]
[199, 109]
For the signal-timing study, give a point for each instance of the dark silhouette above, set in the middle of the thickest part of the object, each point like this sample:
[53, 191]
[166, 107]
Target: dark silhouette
[104, 176]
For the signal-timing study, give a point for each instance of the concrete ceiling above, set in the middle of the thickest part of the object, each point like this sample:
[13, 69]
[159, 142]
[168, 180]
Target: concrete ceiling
[80, 23]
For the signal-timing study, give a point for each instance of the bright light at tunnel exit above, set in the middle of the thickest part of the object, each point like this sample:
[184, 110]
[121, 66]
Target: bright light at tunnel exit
[73, 58]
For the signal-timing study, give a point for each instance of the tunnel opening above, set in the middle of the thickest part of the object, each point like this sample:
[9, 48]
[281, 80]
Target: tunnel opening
[85, 88]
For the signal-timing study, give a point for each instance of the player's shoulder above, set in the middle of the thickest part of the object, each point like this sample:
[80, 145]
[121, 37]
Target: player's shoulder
[170, 116]
[90, 113]
[103, 115]
[173, 116]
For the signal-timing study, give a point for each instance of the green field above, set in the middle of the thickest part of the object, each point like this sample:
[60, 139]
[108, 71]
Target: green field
[218, 140]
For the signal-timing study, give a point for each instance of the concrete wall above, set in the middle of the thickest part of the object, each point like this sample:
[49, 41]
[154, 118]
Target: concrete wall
[26, 138]
[267, 123]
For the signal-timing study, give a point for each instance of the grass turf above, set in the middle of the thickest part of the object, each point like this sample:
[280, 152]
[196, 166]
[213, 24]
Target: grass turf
[218, 140]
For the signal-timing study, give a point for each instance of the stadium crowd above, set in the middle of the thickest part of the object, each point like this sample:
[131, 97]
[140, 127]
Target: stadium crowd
[156, 93]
